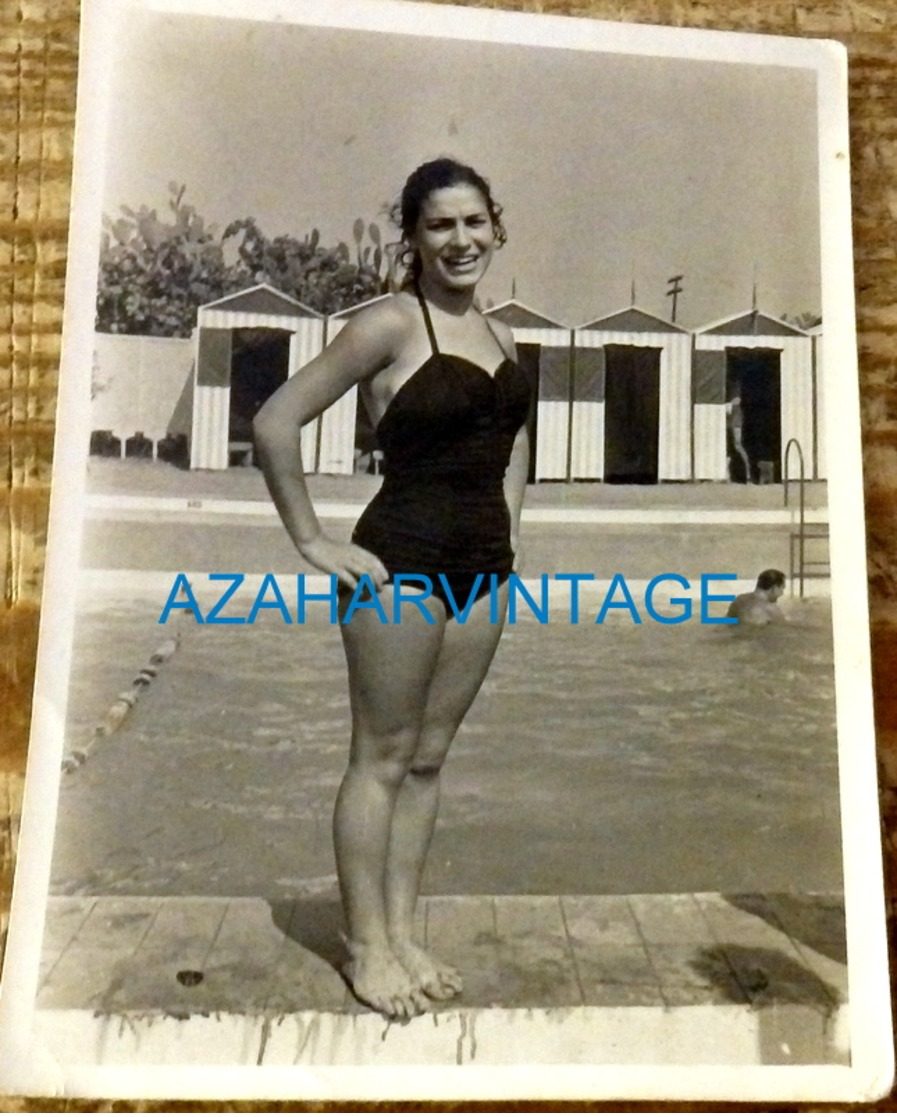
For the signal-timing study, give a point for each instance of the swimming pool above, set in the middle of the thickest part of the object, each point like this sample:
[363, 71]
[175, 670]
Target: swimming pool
[597, 759]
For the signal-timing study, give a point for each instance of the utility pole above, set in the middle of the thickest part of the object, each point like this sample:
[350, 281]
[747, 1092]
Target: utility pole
[674, 292]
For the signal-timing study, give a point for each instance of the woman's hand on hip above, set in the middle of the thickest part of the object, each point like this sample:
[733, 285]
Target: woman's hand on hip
[346, 560]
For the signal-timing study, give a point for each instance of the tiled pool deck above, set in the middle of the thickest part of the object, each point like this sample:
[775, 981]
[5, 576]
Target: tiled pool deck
[758, 979]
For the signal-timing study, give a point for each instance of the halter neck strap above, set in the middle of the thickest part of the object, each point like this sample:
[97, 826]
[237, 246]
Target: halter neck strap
[431, 333]
[428, 322]
[501, 348]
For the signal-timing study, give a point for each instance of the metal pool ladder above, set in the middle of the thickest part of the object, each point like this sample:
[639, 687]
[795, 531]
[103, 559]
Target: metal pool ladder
[801, 532]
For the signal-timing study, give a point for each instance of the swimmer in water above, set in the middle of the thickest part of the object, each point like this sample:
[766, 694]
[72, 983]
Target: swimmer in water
[759, 607]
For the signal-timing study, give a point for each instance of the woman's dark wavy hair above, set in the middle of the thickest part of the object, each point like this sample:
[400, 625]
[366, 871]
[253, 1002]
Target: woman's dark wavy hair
[438, 174]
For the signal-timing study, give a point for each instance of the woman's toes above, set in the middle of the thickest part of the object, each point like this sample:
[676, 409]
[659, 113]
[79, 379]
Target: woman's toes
[452, 981]
[438, 981]
[378, 980]
[396, 1009]
[421, 1001]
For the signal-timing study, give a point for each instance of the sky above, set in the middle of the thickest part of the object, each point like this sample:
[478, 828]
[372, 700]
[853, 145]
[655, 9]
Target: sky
[611, 168]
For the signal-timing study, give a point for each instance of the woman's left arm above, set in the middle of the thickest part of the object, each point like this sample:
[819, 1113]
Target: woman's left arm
[515, 483]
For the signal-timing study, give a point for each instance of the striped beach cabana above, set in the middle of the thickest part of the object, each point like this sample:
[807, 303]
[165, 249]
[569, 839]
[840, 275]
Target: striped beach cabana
[246, 346]
[543, 353]
[768, 365]
[349, 428]
[630, 400]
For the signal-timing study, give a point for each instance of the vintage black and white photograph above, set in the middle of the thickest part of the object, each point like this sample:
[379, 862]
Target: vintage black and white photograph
[455, 651]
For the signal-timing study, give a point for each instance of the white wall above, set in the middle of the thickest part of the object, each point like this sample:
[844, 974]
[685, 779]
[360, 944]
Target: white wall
[139, 384]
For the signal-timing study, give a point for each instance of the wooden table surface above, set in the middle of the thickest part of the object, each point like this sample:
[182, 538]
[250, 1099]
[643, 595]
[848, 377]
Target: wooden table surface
[38, 64]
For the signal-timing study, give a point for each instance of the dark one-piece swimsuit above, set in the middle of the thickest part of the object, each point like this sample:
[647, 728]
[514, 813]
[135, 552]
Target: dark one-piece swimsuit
[446, 438]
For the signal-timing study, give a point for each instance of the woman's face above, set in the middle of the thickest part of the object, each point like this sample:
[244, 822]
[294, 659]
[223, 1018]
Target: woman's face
[454, 237]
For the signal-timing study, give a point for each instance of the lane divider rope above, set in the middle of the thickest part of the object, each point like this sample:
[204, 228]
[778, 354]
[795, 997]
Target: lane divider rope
[123, 704]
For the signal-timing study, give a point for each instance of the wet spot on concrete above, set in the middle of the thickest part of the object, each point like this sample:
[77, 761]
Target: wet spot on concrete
[766, 976]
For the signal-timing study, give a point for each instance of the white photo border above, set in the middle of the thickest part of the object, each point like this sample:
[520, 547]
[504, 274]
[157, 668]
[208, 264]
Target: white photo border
[28, 1068]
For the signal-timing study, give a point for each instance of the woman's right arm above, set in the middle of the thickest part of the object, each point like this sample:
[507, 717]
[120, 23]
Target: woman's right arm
[364, 346]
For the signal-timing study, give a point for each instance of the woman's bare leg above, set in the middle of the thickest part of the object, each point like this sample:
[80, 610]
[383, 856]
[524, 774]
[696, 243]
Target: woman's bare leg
[390, 669]
[465, 655]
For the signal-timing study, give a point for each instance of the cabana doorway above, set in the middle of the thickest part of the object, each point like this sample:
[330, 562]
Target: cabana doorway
[631, 414]
[260, 362]
[754, 375]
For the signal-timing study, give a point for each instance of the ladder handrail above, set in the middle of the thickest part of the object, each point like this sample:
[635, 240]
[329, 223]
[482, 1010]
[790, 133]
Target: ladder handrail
[801, 504]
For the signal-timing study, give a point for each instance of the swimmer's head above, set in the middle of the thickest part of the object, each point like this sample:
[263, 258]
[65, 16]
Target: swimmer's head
[772, 583]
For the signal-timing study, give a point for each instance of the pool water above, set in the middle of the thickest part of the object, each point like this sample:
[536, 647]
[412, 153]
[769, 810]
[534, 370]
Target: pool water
[612, 758]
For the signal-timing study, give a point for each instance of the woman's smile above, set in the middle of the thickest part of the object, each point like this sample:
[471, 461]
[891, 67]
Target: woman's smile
[462, 263]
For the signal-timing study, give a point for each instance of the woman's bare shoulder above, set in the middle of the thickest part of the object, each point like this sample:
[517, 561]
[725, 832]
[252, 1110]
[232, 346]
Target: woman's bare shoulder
[377, 333]
[390, 317]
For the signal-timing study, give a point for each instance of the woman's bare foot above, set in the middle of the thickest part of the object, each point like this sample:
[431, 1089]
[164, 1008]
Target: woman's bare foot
[439, 980]
[379, 980]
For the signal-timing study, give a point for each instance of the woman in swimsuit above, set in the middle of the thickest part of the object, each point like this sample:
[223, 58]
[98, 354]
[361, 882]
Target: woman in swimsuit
[449, 404]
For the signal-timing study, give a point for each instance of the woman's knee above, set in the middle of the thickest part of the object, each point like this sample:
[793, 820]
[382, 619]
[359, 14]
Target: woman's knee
[425, 770]
[433, 744]
[387, 757]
